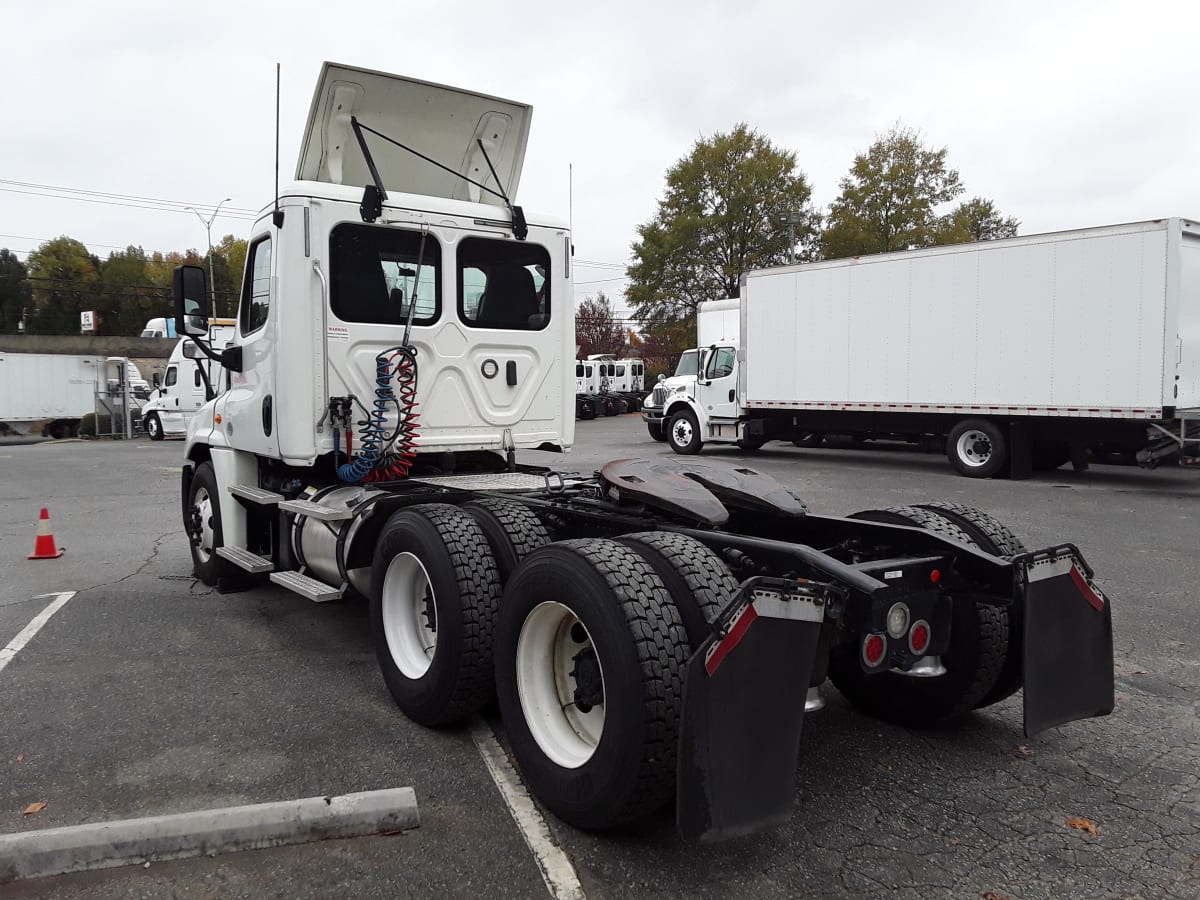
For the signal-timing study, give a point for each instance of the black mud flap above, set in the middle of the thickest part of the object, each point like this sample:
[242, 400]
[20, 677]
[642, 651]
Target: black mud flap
[1068, 640]
[743, 706]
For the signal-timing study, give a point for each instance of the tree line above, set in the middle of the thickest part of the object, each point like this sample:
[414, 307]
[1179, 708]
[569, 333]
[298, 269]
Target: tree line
[60, 279]
[737, 202]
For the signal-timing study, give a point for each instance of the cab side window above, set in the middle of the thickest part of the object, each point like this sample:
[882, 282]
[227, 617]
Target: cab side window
[172, 375]
[720, 363]
[256, 289]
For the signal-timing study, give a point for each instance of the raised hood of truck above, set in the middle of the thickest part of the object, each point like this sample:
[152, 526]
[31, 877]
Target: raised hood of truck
[442, 123]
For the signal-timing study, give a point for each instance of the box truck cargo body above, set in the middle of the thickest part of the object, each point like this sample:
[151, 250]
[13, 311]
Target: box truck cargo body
[1018, 351]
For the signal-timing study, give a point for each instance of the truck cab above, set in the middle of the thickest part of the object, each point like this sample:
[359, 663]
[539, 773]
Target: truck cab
[186, 384]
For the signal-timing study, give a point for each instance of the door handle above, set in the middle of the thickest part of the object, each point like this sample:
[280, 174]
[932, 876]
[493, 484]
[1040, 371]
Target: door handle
[266, 415]
[510, 372]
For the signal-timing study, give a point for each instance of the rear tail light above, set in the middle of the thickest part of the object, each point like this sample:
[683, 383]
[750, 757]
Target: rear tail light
[874, 649]
[918, 637]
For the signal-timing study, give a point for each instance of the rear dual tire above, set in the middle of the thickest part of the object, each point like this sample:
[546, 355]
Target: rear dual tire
[590, 665]
[975, 661]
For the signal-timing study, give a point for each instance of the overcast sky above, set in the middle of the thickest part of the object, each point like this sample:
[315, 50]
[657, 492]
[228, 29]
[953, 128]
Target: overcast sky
[1066, 114]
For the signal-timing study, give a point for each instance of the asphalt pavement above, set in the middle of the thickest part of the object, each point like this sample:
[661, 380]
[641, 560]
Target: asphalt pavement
[148, 693]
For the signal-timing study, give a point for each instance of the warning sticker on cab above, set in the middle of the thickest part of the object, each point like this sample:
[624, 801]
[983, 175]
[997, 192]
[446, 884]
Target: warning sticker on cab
[337, 333]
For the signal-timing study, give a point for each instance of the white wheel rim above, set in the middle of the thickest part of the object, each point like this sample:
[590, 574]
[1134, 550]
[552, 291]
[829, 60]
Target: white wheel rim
[682, 433]
[203, 503]
[152, 426]
[409, 615]
[546, 658]
[974, 448]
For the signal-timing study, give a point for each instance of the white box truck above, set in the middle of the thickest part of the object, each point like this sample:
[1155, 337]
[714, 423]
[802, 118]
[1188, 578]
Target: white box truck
[47, 393]
[717, 322]
[1019, 353]
[404, 330]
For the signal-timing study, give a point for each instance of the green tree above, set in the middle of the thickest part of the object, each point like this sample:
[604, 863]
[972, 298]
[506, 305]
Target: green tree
[15, 294]
[129, 298]
[65, 279]
[976, 219]
[890, 197]
[723, 214]
[233, 250]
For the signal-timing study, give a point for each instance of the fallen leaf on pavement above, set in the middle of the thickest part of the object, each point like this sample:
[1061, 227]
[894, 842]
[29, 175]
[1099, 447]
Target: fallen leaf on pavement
[955, 842]
[992, 895]
[1022, 752]
[20, 757]
[1083, 824]
[34, 808]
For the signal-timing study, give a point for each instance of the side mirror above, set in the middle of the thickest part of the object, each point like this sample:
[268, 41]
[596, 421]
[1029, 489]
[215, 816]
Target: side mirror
[156, 379]
[192, 306]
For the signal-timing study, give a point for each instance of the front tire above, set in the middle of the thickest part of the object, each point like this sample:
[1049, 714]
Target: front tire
[435, 592]
[203, 526]
[973, 661]
[153, 427]
[656, 431]
[977, 448]
[683, 433]
[590, 664]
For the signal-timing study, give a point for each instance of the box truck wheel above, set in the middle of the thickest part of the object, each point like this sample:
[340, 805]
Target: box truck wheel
[153, 427]
[656, 431]
[973, 660]
[590, 664]
[203, 526]
[977, 448]
[698, 581]
[751, 442]
[435, 591]
[511, 529]
[683, 432]
[993, 536]
[810, 439]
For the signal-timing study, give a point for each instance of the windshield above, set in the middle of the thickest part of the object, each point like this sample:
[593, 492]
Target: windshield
[688, 363]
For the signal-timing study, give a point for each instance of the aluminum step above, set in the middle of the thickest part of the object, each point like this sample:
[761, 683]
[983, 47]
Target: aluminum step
[244, 559]
[255, 495]
[317, 511]
[316, 591]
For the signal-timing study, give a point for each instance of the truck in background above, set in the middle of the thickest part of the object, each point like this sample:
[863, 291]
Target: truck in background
[717, 322]
[188, 383]
[1018, 354]
[50, 393]
[159, 328]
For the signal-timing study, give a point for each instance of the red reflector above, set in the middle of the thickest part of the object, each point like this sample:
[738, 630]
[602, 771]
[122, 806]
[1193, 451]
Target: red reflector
[935, 576]
[873, 648]
[918, 638]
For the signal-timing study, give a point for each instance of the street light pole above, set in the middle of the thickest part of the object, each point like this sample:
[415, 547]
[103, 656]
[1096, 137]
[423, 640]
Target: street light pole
[212, 280]
[791, 220]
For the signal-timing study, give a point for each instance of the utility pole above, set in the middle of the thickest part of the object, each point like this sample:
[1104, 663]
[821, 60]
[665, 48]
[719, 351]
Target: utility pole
[212, 281]
[791, 220]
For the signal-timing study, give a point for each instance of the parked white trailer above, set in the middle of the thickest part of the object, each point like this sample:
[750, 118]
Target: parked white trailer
[47, 392]
[1020, 353]
[404, 330]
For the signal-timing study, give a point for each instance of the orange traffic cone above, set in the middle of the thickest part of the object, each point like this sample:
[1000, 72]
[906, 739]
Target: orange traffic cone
[43, 547]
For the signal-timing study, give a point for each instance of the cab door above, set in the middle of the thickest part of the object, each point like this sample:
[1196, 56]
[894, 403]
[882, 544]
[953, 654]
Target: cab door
[247, 409]
[170, 415]
[718, 387]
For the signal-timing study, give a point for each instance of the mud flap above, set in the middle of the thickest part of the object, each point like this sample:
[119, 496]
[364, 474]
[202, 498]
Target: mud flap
[1068, 640]
[743, 706]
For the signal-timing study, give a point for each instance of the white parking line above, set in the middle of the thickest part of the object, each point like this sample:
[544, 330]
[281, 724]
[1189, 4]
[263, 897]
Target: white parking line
[14, 646]
[557, 871]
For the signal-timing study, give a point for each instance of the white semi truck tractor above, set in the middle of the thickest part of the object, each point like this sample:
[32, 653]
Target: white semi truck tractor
[653, 631]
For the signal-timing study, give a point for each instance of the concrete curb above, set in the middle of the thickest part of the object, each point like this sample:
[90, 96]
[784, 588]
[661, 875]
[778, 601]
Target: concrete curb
[104, 845]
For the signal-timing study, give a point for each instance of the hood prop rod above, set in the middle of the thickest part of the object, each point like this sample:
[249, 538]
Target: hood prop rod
[519, 227]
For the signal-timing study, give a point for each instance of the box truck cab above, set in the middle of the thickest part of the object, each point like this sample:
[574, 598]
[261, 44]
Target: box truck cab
[183, 389]
[159, 328]
[717, 322]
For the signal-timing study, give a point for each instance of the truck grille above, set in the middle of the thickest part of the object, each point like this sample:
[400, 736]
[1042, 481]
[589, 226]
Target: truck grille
[660, 395]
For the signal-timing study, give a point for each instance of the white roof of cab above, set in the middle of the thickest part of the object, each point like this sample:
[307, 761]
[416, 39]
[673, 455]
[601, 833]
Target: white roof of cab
[442, 123]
